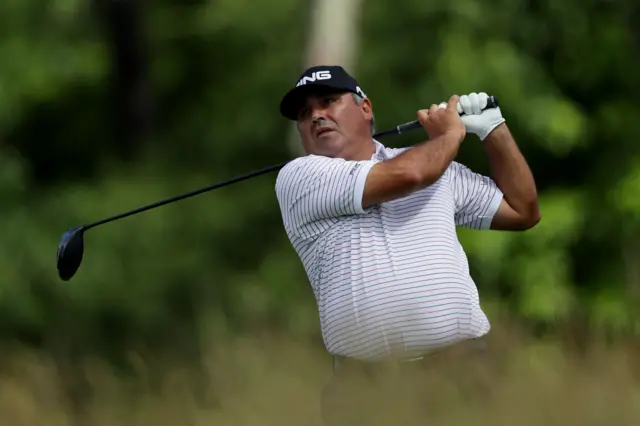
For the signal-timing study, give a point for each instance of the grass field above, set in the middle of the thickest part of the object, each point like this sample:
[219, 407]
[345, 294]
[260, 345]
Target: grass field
[270, 380]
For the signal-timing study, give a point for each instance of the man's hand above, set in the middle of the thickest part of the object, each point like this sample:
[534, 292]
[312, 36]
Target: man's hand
[477, 121]
[441, 119]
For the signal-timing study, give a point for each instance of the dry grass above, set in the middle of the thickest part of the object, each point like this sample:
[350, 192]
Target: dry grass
[275, 381]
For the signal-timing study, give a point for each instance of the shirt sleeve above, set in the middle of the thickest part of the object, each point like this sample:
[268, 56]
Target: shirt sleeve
[314, 191]
[477, 197]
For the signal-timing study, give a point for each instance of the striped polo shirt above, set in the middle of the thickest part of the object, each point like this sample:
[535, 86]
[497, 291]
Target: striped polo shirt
[391, 280]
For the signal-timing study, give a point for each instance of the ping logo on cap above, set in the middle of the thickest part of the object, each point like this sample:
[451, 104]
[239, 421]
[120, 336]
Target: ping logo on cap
[317, 75]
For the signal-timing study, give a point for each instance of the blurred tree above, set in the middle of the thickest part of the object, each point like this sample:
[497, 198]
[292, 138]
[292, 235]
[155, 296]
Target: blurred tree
[333, 39]
[123, 26]
[167, 281]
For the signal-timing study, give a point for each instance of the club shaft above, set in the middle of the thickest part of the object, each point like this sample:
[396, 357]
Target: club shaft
[189, 194]
[492, 102]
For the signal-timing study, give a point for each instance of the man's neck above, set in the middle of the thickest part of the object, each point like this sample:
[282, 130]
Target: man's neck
[364, 153]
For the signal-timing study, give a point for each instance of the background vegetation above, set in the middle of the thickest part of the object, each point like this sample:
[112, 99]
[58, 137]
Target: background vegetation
[199, 312]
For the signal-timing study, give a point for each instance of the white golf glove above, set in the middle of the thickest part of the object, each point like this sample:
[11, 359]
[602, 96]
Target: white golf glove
[475, 120]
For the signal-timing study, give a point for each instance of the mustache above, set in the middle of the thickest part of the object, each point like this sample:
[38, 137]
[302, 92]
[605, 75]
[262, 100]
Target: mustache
[321, 122]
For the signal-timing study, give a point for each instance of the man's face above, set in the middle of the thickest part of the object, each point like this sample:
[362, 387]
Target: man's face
[334, 125]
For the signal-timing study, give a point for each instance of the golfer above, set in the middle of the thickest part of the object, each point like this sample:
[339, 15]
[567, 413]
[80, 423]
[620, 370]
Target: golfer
[375, 228]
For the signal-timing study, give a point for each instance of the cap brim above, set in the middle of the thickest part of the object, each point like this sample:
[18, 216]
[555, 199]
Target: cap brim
[295, 99]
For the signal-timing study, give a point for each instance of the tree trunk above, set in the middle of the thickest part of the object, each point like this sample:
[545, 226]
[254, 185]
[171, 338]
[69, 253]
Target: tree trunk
[122, 24]
[333, 40]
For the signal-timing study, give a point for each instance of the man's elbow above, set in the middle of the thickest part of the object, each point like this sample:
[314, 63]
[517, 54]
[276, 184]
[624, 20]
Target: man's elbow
[412, 180]
[530, 220]
[422, 178]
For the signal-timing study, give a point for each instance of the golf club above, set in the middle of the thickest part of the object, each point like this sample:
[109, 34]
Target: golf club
[71, 245]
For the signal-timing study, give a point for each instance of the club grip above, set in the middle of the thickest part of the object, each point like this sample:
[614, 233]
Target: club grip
[492, 102]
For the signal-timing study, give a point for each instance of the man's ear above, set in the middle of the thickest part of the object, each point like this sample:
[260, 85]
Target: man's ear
[367, 109]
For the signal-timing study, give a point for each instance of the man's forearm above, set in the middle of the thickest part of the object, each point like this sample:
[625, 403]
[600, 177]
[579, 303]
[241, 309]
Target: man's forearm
[429, 160]
[417, 168]
[512, 174]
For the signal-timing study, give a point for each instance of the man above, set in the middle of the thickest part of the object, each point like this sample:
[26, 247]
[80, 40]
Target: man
[375, 227]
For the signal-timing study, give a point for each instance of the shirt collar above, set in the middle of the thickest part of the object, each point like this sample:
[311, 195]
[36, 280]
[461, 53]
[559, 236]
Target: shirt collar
[381, 152]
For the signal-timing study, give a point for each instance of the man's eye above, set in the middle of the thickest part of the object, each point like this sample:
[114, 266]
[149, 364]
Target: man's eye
[302, 113]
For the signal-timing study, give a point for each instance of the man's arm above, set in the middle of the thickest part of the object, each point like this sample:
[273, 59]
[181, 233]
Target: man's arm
[313, 191]
[519, 208]
[422, 165]
[410, 171]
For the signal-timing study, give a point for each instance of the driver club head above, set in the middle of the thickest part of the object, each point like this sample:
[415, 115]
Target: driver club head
[70, 250]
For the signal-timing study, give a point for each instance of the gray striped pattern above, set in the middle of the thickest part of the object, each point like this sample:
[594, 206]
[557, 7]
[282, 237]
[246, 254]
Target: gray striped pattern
[394, 279]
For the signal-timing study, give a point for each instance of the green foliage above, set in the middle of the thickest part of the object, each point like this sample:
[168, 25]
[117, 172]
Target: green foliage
[217, 70]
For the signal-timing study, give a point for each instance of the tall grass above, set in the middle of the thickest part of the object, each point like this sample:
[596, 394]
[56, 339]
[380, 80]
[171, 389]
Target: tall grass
[275, 380]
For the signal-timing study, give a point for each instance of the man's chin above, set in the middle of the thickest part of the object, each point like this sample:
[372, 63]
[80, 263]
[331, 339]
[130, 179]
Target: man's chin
[330, 144]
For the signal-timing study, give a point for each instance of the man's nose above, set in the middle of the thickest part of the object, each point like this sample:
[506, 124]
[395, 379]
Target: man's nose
[318, 114]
